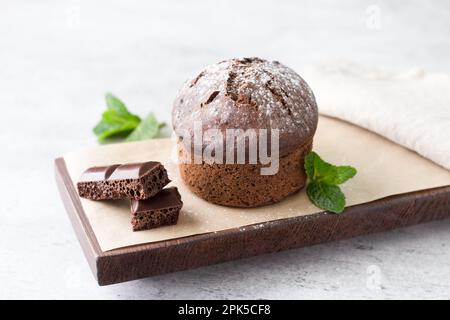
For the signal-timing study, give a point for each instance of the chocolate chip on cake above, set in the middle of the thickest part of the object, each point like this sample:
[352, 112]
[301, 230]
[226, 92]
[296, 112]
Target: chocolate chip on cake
[132, 181]
[162, 209]
[249, 93]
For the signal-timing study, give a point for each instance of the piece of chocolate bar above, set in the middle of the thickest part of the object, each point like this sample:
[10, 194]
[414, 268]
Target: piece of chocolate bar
[132, 181]
[162, 209]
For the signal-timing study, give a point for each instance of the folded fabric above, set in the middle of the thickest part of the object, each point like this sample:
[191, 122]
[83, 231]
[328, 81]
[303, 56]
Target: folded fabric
[410, 107]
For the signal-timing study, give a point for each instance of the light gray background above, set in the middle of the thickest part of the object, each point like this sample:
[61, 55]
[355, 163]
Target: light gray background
[58, 58]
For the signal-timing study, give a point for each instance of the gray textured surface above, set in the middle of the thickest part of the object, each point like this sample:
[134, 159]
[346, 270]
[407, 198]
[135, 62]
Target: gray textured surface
[57, 58]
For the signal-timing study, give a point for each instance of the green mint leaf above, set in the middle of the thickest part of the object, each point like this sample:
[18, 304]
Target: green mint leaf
[324, 179]
[114, 103]
[113, 125]
[309, 164]
[316, 168]
[326, 196]
[116, 121]
[147, 129]
[107, 130]
[323, 170]
[344, 173]
[116, 106]
[100, 128]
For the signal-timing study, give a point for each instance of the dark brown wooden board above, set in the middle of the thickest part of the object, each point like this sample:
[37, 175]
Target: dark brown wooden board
[150, 259]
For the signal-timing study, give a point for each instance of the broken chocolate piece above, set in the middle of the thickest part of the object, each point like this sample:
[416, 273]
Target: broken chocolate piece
[162, 209]
[133, 181]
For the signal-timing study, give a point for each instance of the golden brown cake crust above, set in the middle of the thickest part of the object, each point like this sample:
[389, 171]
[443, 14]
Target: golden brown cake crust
[242, 185]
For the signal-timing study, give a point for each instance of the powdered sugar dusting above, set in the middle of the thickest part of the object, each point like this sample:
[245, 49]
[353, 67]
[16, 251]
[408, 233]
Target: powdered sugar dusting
[248, 93]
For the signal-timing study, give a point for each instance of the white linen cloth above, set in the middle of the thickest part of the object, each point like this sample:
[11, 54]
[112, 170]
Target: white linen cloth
[410, 107]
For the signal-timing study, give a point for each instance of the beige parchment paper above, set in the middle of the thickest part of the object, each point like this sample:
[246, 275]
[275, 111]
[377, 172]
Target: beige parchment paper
[384, 169]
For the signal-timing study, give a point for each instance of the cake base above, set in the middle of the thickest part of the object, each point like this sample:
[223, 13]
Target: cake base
[242, 185]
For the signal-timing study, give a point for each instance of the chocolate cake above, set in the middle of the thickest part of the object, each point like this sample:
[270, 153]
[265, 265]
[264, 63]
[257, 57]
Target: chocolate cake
[249, 93]
[132, 181]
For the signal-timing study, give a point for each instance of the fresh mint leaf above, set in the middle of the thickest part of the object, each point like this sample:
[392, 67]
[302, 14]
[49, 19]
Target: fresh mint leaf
[309, 164]
[114, 103]
[116, 121]
[113, 126]
[326, 196]
[147, 129]
[344, 173]
[324, 179]
[316, 168]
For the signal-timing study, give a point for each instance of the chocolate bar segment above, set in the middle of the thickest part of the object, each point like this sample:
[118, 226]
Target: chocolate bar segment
[162, 209]
[98, 173]
[132, 181]
[134, 170]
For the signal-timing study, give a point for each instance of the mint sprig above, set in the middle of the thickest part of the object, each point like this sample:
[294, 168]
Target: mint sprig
[147, 129]
[324, 178]
[118, 122]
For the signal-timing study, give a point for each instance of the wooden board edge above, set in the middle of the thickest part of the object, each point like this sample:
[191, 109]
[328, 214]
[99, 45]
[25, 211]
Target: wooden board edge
[206, 249]
[150, 259]
[77, 217]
